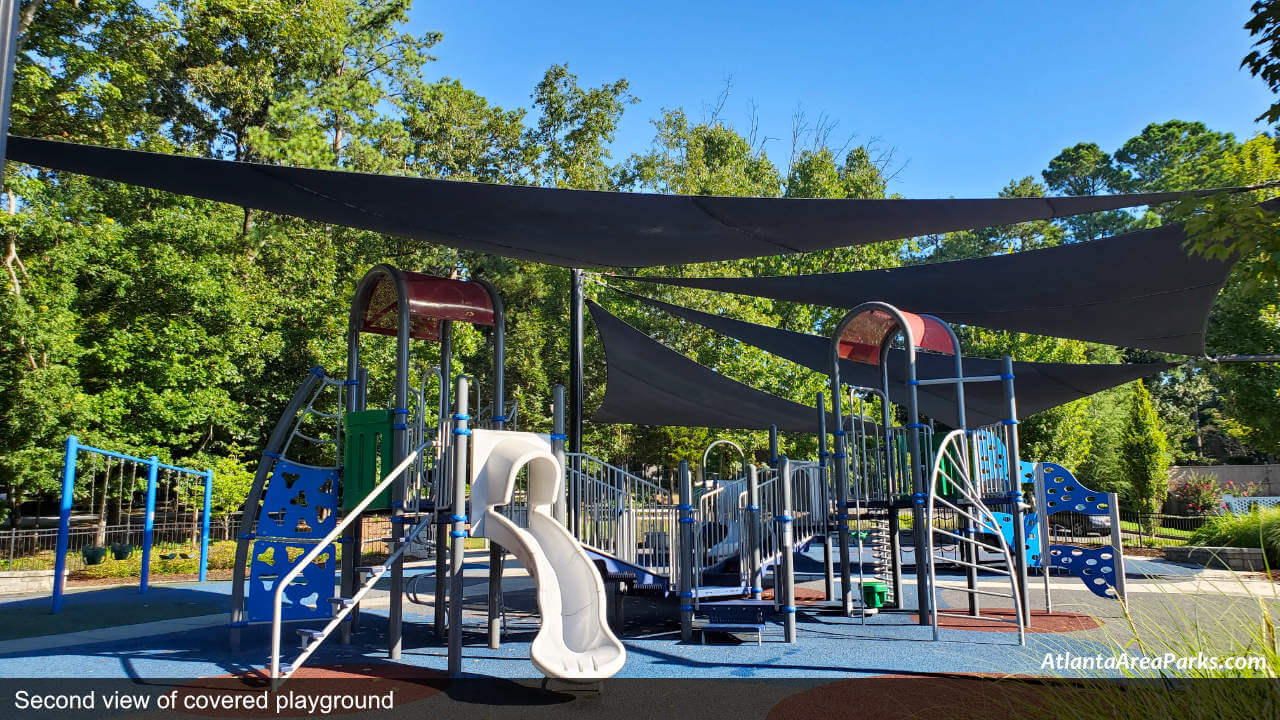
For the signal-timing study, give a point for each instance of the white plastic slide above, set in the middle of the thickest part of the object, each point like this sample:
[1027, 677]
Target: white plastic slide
[574, 641]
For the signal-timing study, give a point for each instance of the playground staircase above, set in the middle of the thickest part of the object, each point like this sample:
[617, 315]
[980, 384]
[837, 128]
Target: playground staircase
[310, 639]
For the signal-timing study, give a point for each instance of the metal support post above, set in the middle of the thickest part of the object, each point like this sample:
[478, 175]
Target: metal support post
[439, 609]
[687, 552]
[204, 525]
[752, 520]
[575, 360]
[560, 509]
[824, 470]
[458, 534]
[64, 521]
[1016, 505]
[787, 548]
[1117, 542]
[149, 520]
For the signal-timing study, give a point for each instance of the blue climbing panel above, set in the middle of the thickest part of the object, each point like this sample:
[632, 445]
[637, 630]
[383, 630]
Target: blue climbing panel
[1064, 493]
[1031, 531]
[306, 597]
[1095, 566]
[301, 502]
[299, 508]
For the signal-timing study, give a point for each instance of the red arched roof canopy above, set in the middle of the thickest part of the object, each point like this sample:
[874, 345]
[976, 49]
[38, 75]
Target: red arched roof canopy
[431, 299]
[866, 334]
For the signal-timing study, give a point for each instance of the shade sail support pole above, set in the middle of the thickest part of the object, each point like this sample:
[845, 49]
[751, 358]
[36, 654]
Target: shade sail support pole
[575, 360]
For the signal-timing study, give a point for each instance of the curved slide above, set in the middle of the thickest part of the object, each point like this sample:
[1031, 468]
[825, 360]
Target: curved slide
[574, 641]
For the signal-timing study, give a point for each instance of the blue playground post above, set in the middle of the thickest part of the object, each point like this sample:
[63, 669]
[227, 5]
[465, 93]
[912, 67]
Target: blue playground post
[148, 525]
[204, 525]
[64, 520]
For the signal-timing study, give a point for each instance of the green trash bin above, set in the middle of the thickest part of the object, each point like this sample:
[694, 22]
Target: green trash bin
[874, 594]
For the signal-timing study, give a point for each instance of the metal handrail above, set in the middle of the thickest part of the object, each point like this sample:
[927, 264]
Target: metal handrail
[277, 599]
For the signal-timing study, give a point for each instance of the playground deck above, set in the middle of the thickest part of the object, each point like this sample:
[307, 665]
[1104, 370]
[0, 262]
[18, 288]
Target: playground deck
[180, 631]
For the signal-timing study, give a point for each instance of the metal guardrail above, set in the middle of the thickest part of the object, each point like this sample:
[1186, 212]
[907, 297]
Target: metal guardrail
[622, 514]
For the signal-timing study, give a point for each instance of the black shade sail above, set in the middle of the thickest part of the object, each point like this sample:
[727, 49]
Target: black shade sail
[1139, 289]
[572, 228]
[1038, 386]
[651, 384]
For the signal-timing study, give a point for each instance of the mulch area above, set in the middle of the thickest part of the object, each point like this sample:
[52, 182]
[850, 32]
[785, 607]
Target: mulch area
[80, 578]
[1144, 552]
[804, 596]
[935, 697]
[1041, 622]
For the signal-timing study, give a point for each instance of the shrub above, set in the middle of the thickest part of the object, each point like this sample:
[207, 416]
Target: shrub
[1257, 529]
[1200, 494]
[1249, 489]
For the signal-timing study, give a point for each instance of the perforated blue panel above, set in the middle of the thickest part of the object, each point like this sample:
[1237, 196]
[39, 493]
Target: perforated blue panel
[1031, 532]
[1027, 470]
[301, 502]
[306, 597]
[1095, 566]
[1064, 493]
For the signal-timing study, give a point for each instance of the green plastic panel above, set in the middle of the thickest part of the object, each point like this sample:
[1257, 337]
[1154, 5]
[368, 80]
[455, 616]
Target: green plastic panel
[367, 455]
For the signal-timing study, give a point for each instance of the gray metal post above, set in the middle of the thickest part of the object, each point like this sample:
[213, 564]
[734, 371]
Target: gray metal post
[1042, 532]
[575, 360]
[753, 528]
[686, 556]
[1117, 542]
[788, 559]
[444, 472]
[560, 509]
[829, 581]
[773, 446]
[458, 534]
[497, 555]
[496, 558]
[9, 10]
[842, 500]
[1016, 505]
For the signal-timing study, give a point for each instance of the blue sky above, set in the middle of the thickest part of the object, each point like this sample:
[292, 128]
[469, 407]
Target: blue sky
[969, 94]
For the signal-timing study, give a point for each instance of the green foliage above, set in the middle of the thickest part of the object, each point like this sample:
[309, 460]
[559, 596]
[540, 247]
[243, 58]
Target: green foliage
[1143, 453]
[1264, 61]
[1259, 528]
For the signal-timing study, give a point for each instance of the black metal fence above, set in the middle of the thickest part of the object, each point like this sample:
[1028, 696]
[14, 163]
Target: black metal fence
[1137, 529]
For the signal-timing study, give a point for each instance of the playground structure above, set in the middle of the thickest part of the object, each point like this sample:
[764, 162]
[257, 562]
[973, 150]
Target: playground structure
[185, 503]
[591, 533]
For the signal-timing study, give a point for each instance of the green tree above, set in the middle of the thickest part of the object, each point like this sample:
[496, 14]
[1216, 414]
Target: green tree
[1144, 453]
[573, 129]
[1084, 169]
[1264, 60]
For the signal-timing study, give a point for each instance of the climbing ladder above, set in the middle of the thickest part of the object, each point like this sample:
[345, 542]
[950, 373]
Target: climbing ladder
[290, 506]
[955, 514]
[879, 538]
